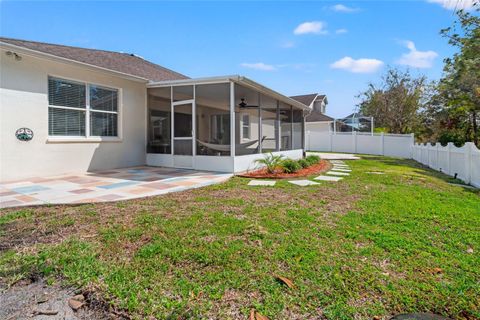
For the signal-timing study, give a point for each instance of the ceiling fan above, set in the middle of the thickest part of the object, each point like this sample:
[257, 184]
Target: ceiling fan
[243, 104]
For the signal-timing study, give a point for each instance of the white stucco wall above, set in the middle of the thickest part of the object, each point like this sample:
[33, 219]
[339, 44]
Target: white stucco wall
[24, 103]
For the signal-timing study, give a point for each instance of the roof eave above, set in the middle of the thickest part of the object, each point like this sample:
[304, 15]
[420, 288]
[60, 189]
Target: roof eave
[232, 78]
[40, 54]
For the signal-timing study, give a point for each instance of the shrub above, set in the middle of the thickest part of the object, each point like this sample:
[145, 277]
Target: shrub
[271, 162]
[290, 166]
[304, 163]
[312, 159]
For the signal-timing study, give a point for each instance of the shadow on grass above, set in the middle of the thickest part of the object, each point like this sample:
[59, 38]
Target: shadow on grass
[422, 170]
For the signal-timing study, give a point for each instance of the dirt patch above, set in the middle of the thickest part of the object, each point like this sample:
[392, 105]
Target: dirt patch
[36, 300]
[318, 168]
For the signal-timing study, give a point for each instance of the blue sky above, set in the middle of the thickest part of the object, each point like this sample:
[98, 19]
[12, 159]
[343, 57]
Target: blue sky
[331, 47]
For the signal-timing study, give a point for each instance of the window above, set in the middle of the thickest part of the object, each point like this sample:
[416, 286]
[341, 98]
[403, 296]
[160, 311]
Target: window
[74, 105]
[246, 126]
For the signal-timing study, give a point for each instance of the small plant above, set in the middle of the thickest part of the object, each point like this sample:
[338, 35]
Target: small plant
[290, 166]
[271, 162]
[304, 163]
[312, 159]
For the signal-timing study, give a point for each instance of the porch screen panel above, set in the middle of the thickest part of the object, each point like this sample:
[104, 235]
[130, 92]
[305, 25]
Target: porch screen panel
[285, 127]
[269, 124]
[159, 123]
[213, 119]
[298, 129]
[247, 106]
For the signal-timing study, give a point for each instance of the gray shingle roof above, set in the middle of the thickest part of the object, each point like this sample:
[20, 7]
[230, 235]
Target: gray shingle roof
[316, 116]
[115, 61]
[306, 99]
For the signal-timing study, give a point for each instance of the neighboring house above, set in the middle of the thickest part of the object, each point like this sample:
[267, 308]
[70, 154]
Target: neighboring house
[316, 120]
[91, 110]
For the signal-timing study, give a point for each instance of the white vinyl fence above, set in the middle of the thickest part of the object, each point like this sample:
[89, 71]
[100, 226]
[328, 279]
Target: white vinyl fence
[393, 145]
[463, 162]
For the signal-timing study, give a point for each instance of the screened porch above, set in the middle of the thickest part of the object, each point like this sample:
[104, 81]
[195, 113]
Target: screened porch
[220, 124]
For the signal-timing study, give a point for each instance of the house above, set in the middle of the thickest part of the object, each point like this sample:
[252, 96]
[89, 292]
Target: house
[67, 109]
[316, 120]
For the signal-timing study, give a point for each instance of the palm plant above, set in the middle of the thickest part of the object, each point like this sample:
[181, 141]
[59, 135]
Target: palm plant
[270, 161]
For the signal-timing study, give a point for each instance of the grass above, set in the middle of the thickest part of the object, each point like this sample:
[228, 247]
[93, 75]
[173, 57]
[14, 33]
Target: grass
[369, 245]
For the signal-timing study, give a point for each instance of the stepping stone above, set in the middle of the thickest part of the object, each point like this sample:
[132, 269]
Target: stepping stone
[328, 178]
[341, 165]
[341, 169]
[262, 183]
[375, 172]
[303, 183]
[338, 162]
[334, 173]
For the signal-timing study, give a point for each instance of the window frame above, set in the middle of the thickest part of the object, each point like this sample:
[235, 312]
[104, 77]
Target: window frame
[88, 137]
[243, 127]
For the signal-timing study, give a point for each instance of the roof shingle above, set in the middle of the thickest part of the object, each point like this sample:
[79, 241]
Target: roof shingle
[116, 61]
[316, 116]
[306, 99]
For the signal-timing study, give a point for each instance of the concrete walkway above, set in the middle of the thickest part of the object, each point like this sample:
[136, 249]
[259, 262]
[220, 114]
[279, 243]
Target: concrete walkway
[111, 185]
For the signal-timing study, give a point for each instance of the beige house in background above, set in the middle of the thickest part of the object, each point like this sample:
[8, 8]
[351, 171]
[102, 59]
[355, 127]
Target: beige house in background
[67, 109]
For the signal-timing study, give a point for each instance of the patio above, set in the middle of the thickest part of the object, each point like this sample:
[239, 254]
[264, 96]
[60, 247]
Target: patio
[103, 186]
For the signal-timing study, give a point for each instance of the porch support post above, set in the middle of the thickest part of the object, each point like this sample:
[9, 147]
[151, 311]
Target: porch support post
[291, 128]
[232, 119]
[303, 134]
[171, 120]
[260, 142]
[277, 128]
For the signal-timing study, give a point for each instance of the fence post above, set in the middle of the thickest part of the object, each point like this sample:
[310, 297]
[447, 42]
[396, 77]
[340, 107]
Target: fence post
[468, 161]
[449, 147]
[412, 144]
[437, 167]
[354, 135]
[331, 142]
[383, 143]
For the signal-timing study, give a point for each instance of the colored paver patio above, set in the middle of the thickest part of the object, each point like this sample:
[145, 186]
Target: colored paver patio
[112, 185]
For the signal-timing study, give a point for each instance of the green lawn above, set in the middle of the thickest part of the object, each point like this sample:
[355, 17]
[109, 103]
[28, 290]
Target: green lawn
[370, 245]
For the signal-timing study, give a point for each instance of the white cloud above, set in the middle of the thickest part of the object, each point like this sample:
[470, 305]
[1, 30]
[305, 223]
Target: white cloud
[455, 4]
[415, 58]
[357, 65]
[259, 66]
[288, 44]
[316, 27]
[343, 8]
[340, 31]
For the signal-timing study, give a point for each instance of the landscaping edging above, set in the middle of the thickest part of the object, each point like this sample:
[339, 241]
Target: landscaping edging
[320, 167]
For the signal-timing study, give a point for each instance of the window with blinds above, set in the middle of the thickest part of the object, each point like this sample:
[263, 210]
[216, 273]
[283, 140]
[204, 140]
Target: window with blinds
[80, 109]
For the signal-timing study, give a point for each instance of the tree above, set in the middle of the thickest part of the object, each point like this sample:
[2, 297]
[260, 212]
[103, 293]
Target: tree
[396, 103]
[460, 86]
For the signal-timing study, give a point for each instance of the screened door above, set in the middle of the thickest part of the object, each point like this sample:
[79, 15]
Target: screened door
[183, 134]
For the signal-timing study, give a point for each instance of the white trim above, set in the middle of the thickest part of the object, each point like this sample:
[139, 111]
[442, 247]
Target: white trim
[88, 137]
[72, 139]
[232, 119]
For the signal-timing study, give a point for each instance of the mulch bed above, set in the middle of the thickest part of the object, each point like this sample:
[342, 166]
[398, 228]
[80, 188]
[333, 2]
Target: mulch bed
[320, 167]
